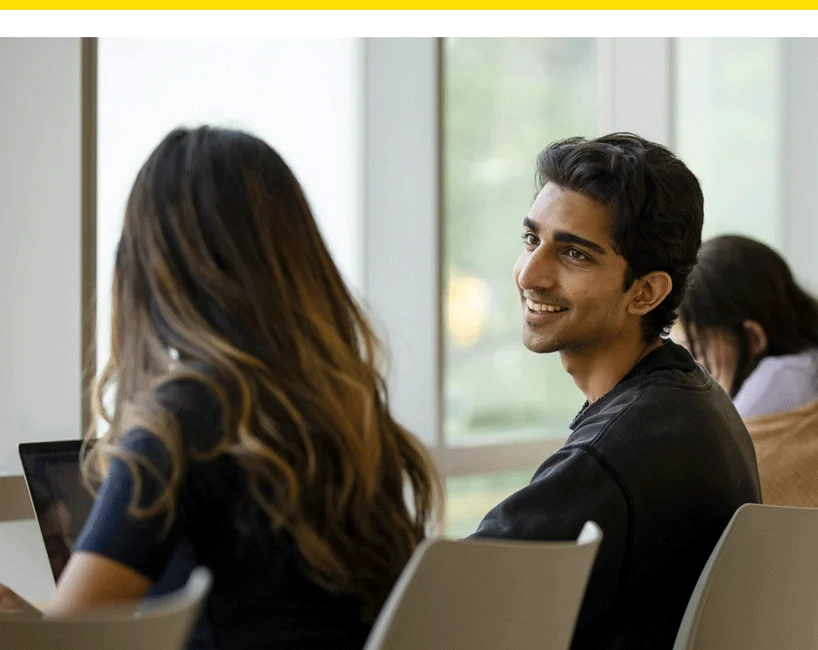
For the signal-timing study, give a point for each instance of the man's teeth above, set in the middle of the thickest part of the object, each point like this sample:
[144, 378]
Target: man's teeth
[541, 306]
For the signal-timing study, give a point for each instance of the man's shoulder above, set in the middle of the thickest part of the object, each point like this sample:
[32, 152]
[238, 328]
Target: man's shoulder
[665, 434]
[664, 403]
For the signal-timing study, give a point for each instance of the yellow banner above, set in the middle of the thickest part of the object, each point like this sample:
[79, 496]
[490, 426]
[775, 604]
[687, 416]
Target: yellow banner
[629, 5]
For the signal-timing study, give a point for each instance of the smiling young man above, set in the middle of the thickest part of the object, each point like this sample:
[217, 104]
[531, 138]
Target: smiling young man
[658, 456]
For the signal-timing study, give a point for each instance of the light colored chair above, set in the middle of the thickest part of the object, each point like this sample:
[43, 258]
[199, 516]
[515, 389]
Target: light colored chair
[15, 504]
[488, 594]
[162, 623]
[759, 589]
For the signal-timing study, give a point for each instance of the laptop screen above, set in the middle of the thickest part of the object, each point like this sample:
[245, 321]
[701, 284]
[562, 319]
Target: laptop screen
[61, 501]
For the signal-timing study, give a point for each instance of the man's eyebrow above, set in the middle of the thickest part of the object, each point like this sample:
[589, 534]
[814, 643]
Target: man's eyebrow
[528, 223]
[570, 238]
[565, 237]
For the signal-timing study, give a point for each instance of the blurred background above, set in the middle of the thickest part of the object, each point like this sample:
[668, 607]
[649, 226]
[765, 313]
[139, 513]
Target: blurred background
[418, 157]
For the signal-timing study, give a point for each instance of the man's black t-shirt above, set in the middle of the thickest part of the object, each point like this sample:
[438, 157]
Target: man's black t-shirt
[661, 463]
[260, 596]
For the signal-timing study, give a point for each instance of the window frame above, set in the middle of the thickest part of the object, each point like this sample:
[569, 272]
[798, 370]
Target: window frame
[402, 208]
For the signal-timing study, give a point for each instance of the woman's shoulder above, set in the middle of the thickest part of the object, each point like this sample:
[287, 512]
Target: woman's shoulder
[194, 409]
[188, 397]
[778, 384]
[803, 362]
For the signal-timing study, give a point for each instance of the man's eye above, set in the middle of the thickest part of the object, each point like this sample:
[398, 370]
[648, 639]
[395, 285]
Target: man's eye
[576, 254]
[530, 239]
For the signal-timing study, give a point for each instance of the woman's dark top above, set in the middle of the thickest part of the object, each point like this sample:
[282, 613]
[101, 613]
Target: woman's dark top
[261, 597]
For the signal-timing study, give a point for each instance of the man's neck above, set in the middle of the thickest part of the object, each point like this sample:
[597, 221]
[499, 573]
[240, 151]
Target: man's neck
[596, 371]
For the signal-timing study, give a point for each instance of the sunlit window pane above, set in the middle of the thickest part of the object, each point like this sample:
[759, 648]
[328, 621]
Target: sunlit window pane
[469, 498]
[504, 101]
[728, 129]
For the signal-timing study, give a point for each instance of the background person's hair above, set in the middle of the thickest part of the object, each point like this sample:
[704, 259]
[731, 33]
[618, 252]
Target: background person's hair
[222, 267]
[738, 279]
[656, 205]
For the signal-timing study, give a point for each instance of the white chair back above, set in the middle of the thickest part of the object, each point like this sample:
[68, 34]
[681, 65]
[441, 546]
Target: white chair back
[759, 589]
[487, 594]
[163, 623]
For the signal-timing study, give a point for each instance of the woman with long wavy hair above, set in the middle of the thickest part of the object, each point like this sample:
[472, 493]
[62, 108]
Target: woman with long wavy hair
[249, 420]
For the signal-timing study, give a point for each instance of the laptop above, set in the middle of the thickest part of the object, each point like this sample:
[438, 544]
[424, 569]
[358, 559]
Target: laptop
[62, 505]
[60, 500]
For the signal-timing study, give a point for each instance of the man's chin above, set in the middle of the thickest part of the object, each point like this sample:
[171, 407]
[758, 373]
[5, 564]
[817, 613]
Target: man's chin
[540, 345]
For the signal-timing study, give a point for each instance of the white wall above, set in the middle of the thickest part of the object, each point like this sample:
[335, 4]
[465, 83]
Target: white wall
[800, 164]
[402, 281]
[634, 86]
[303, 96]
[40, 290]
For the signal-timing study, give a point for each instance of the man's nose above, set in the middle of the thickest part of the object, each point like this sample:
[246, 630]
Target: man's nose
[537, 271]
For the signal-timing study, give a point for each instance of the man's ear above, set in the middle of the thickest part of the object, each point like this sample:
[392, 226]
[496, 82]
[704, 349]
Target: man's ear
[648, 292]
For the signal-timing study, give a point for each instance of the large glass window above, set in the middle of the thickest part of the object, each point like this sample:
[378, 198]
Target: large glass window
[504, 101]
[303, 96]
[469, 498]
[728, 129]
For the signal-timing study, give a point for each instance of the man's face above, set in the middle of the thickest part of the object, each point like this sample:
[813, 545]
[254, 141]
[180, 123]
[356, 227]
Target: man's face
[569, 276]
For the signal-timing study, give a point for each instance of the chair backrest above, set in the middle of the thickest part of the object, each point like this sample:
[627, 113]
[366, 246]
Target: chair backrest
[486, 594]
[759, 589]
[162, 623]
[15, 504]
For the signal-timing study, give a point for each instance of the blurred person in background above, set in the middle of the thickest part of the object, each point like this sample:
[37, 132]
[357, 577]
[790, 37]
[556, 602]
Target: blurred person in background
[747, 320]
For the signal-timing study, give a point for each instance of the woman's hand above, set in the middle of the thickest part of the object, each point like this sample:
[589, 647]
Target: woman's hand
[11, 603]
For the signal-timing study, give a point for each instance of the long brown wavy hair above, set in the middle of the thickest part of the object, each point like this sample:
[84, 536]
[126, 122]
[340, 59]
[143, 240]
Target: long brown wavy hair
[221, 276]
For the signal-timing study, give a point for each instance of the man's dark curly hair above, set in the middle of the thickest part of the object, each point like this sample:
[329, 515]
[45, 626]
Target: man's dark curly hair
[656, 204]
